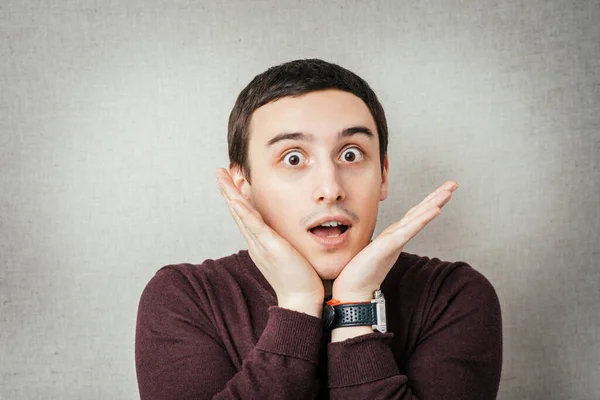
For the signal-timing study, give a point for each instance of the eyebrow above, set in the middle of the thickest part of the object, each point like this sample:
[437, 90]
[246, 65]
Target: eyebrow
[363, 130]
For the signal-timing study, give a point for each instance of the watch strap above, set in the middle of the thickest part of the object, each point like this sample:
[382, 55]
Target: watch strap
[356, 314]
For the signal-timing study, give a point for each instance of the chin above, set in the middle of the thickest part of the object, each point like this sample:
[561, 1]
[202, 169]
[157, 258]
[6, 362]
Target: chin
[328, 275]
[329, 267]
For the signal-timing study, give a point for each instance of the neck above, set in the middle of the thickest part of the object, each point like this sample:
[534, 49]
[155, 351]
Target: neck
[327, 284]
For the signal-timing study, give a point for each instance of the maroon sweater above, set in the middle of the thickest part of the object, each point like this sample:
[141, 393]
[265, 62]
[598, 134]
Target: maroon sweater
[214, 331]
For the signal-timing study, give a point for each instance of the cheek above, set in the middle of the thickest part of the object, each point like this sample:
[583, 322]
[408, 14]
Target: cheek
[277, 203]
[368, 201]
[364, 188]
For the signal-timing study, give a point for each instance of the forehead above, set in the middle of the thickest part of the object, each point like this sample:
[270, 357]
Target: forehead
[323, 113]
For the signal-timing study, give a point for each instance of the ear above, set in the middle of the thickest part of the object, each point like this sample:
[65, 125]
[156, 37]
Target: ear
[240, 181]
[383, 192]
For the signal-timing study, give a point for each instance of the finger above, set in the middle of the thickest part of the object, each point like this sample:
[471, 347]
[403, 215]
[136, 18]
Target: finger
[435, 203]
[415, 219]
[396, 236]
[236, 208]
[405, 231]
[248, 219]
[261, 233]
[448, 185]
[414, 226]
[417, 212]
[446, 188]
[439, 200]
[226, 185]
[231, 192]
[250, 239]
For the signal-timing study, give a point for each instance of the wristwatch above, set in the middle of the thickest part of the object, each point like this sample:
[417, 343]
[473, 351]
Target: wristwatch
[336, 314]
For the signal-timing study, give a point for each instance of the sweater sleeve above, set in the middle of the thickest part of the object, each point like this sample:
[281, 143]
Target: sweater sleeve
[458, 355]
[179, 354]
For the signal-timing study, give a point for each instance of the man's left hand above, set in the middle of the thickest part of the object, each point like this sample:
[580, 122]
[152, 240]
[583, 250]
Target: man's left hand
[367, 270]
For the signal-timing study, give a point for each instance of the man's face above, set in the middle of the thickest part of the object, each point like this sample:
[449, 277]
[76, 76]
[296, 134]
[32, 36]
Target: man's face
[314, 159]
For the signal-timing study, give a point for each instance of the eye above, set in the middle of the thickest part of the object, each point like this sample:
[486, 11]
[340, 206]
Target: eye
[293, 158]
[351, 154]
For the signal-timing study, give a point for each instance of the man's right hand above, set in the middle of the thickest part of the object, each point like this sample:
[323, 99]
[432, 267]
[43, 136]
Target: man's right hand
[296, 283]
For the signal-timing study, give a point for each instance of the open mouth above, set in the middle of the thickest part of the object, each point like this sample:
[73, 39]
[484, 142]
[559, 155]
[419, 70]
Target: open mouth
[329, 230]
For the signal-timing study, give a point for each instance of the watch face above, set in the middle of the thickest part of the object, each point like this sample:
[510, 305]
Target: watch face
[328, 316]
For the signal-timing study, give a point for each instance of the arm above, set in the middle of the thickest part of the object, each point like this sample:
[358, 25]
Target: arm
[458, 355]
[179, 354]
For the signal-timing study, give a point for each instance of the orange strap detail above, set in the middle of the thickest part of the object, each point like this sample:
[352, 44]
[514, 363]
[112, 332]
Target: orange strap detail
[336, 302]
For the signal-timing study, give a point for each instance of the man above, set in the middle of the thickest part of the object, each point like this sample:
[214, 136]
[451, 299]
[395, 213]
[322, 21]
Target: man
[308, 168]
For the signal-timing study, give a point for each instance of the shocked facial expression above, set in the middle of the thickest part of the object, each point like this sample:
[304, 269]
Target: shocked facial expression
[315, 175]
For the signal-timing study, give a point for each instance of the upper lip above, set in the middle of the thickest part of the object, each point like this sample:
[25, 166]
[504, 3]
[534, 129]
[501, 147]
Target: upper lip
[338, 218]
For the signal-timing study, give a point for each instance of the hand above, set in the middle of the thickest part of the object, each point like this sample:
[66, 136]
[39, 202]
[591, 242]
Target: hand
[296, 283]
[367, 270]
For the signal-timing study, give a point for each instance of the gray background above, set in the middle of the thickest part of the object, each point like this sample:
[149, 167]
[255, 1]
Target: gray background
[113, 119]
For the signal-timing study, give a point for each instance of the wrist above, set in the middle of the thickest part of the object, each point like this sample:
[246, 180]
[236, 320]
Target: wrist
[350, 318]
[342, 333]
[309, 307]
[353, 297]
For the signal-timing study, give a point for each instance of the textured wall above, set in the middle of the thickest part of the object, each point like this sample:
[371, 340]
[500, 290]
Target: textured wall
[113, 119]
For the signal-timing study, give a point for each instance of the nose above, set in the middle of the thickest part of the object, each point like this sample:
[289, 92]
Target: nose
[328, 185]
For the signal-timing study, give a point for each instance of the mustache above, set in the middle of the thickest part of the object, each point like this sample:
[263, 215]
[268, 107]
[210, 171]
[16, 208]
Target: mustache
[342, 210]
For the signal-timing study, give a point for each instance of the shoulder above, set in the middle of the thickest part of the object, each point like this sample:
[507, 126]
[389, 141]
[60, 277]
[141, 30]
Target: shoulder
[431, 284]
[194, 280]
[432, 273]
[214, 281]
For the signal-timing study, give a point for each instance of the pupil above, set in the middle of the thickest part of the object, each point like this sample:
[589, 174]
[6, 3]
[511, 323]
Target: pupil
[350, 156]
[294, 160]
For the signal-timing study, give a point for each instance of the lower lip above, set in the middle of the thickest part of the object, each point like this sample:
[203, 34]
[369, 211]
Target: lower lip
[332, 242]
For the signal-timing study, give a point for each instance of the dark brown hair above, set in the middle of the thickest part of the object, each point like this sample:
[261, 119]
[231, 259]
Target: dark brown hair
[296, 78]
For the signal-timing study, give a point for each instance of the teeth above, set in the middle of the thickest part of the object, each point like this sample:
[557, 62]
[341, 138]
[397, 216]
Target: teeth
[331, 223]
